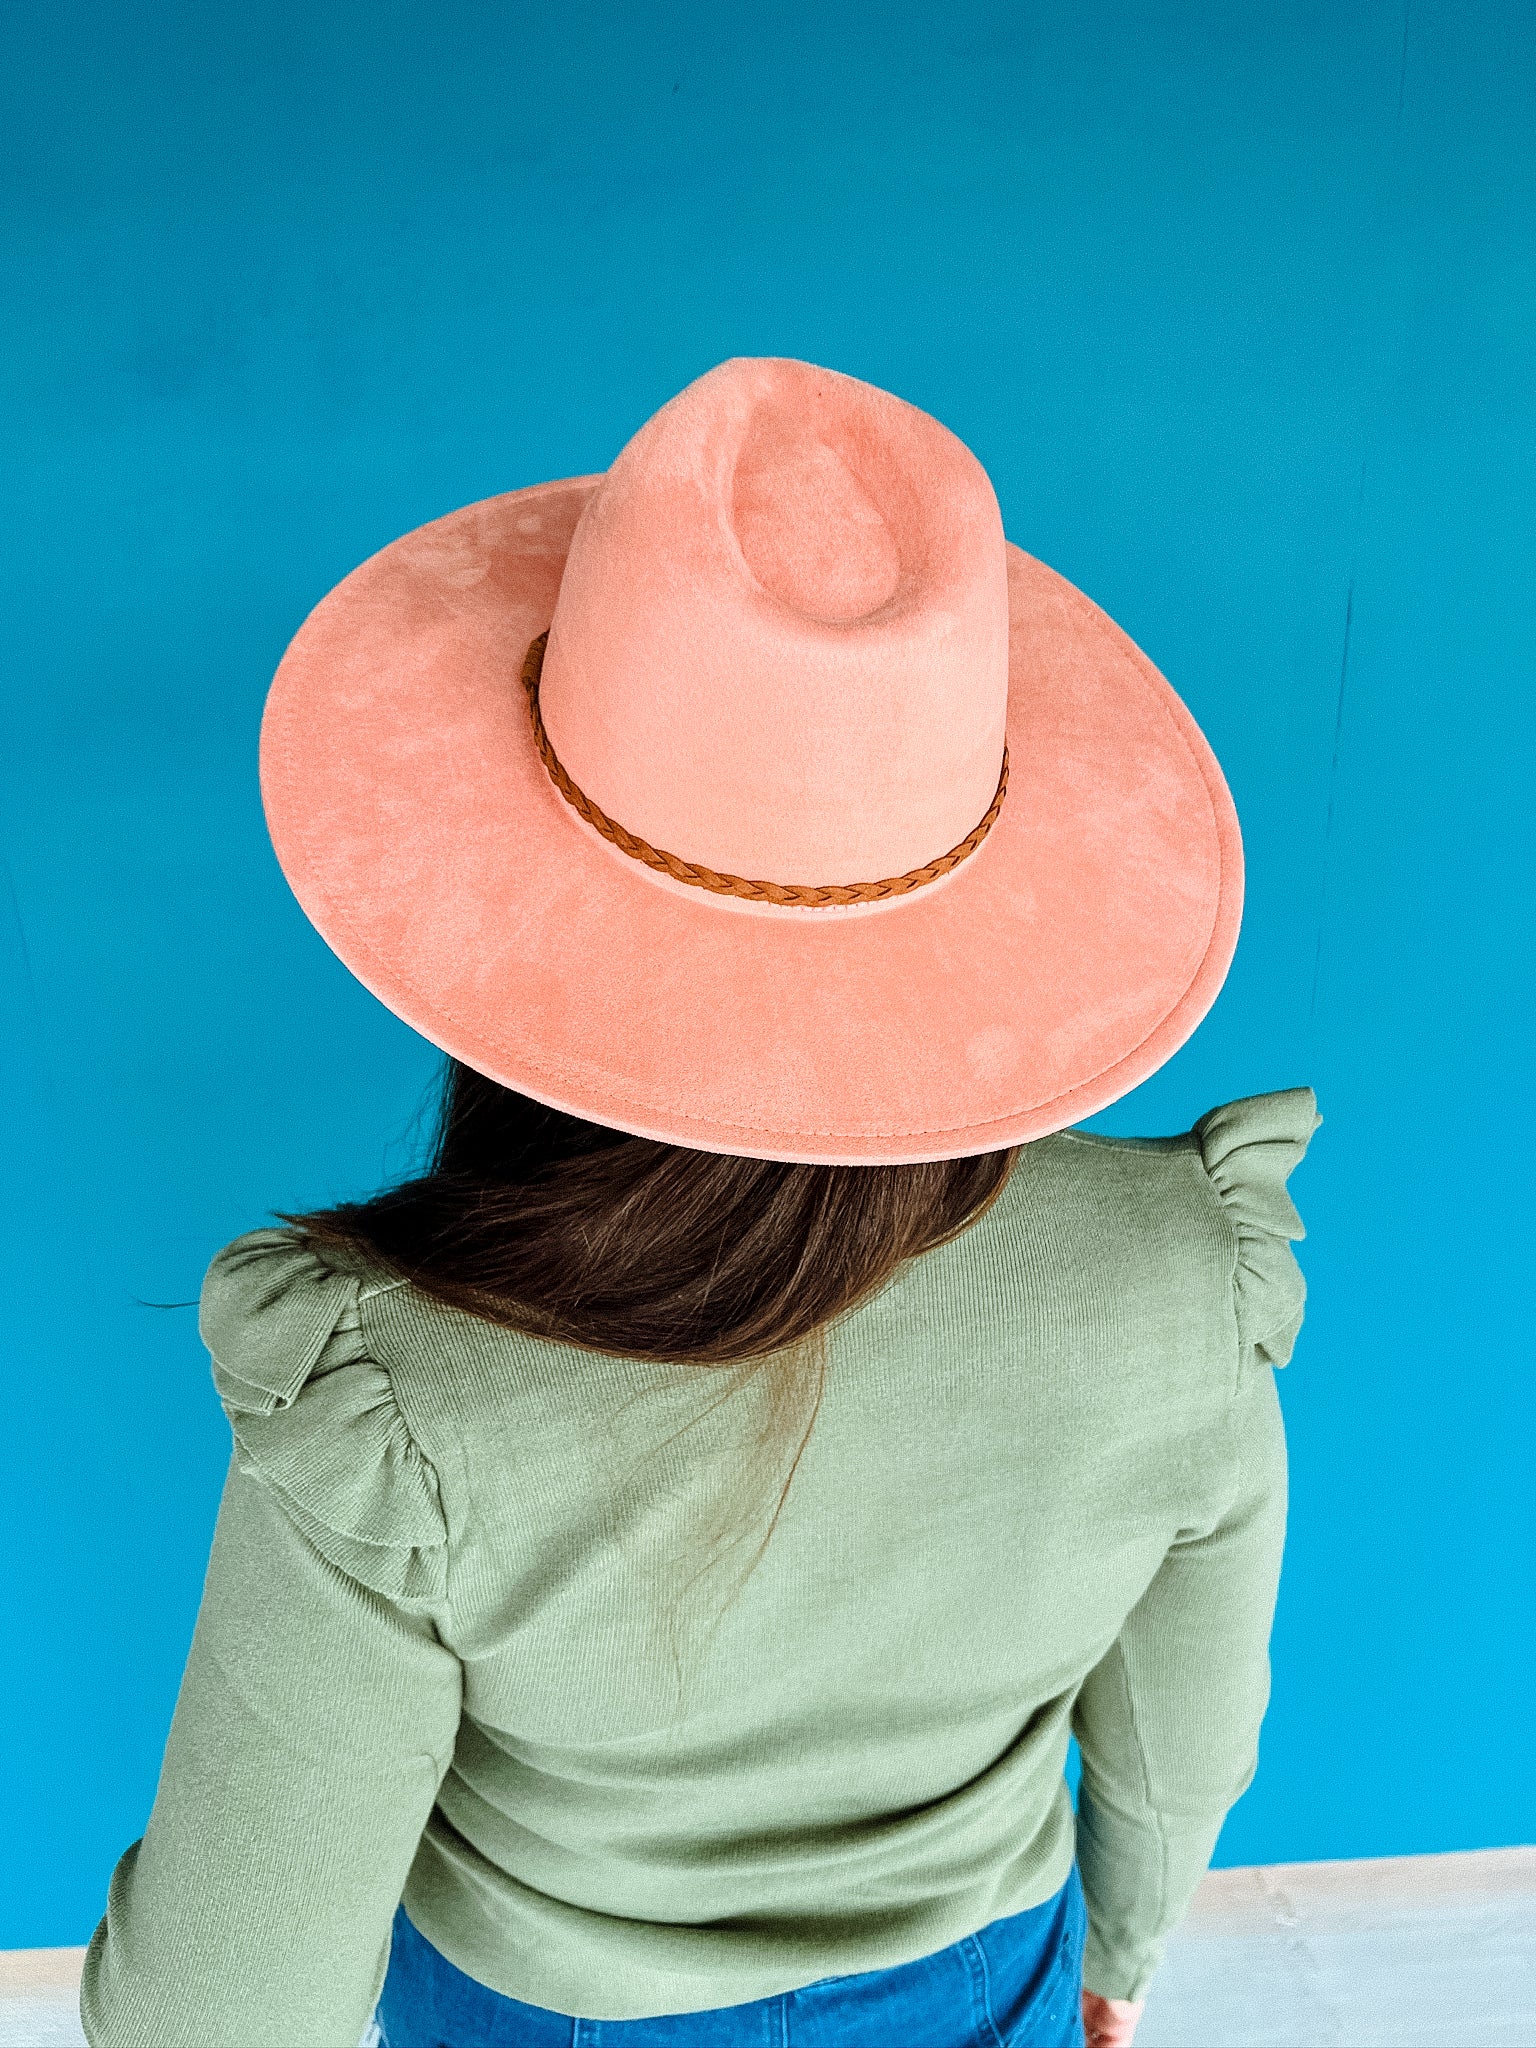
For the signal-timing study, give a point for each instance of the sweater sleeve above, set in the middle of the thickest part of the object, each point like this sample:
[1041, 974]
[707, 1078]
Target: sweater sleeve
[319, 1705]
[1168, 1722]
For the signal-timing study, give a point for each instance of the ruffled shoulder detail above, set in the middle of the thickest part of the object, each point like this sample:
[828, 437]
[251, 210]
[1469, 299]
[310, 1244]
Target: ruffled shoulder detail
[1248, 1149]
[314, 1415]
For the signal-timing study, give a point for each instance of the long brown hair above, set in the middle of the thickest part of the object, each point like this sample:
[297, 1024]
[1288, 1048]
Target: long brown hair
[541, 1222]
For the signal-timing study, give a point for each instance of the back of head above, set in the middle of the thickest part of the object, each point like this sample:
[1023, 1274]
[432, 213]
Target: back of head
[567, 1230]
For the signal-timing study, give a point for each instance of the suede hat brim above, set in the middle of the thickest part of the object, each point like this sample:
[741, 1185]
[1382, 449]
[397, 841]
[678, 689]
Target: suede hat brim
[1054, 969]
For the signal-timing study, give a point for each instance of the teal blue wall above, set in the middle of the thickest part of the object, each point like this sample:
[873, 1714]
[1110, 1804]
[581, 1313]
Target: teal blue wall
[1236, 305]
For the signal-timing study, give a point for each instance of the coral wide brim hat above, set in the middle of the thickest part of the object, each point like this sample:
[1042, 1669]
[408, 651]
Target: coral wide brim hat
[758, 796]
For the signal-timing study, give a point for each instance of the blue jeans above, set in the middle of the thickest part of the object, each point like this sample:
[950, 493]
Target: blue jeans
[1016, 1984]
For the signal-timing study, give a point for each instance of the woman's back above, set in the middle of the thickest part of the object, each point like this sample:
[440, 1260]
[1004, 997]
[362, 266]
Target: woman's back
[1044, 1491]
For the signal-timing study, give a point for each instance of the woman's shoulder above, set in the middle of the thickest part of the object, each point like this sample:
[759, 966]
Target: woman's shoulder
[314, 1413]
[1248, 1150]
[1232, 1166]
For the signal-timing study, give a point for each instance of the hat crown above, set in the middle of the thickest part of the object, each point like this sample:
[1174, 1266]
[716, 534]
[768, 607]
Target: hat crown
[780, 644]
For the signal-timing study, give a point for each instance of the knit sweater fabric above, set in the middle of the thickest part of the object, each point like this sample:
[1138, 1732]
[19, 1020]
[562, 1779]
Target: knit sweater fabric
[452, 1648]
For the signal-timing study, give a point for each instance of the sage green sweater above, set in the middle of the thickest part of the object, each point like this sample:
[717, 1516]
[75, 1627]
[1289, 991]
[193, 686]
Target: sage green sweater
[447, 1650]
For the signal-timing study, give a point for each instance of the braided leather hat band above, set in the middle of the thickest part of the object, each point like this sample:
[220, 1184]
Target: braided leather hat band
[806, 895]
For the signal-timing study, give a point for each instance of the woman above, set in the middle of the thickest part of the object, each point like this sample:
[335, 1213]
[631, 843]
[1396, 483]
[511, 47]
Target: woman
[670, 1543]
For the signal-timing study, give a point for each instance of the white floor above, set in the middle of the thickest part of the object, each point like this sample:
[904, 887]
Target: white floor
[1397, 1952]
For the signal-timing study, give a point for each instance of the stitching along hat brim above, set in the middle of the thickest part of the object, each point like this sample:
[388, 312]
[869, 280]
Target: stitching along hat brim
[1049, 974]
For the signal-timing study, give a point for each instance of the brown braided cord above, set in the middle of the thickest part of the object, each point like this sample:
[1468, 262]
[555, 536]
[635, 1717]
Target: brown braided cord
[811, 896]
